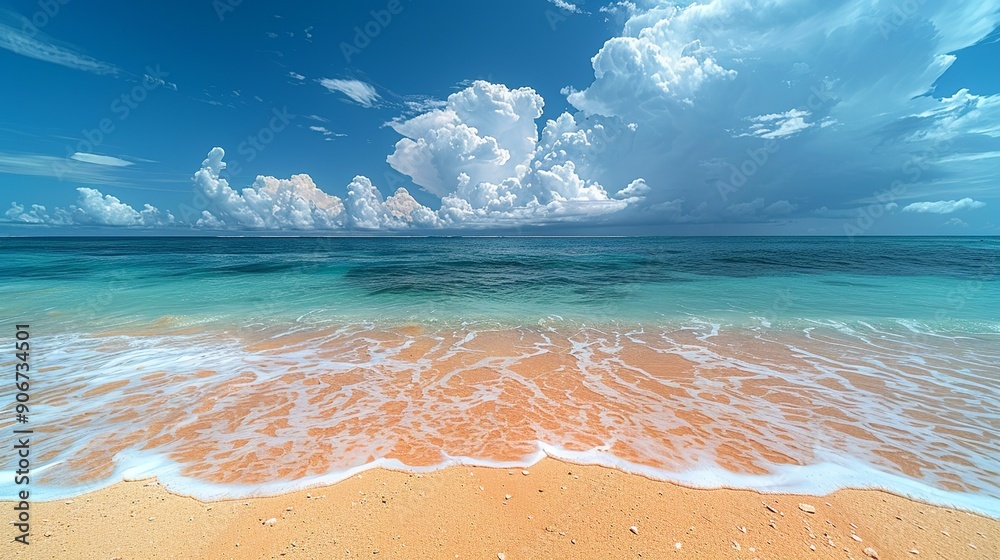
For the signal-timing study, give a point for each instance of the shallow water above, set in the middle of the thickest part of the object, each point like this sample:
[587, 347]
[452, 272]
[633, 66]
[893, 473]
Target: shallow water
[233, 367]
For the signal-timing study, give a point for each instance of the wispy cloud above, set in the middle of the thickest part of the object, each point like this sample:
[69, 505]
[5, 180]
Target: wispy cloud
[326, 132]
[944, 206]
[362, 93]
[778, 125]
[98, 159]
[79, 170]
[296, 75]
[42, 48]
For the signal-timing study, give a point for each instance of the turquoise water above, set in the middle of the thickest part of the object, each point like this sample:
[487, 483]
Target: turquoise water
[779, 364]
[947, 283]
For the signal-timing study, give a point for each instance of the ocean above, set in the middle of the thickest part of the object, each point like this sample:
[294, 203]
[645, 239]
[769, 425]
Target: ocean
[237, 367]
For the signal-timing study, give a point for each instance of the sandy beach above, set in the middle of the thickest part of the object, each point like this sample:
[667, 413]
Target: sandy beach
[556, 510]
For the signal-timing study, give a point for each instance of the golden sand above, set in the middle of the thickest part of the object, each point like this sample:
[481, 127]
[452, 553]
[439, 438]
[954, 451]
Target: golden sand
[558, 510]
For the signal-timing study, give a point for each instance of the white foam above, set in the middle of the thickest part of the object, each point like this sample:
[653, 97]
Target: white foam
[833, 473]
[809, 364]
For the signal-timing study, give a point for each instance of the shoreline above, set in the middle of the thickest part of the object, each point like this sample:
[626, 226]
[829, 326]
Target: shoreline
[558, 509]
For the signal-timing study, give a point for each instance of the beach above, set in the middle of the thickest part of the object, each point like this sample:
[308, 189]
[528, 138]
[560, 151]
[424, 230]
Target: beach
[557, 510]
[660, 384]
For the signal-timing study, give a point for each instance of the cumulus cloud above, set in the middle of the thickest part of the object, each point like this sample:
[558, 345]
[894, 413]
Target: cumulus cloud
[484, 131]
[270, 203]
[944, 206]
[844, 105]
[544, 193]
[91, 209]
[482, 152]
[728, 111]
[360, 92]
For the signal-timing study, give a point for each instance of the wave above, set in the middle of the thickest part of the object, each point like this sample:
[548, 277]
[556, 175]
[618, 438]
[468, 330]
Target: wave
[223, 412]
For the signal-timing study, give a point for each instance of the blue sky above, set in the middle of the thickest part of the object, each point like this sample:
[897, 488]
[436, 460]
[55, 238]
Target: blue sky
[536, 116]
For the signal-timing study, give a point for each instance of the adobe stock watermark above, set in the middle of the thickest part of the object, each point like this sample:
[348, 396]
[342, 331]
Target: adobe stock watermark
[47, 11]
[250, 148]
[563, 11]
[121, 107]
[885, 200]
[256, 143]
[900, 14]
[758, 158]
[784, 301]
[958, 298]
[223, 7]
[365, 34]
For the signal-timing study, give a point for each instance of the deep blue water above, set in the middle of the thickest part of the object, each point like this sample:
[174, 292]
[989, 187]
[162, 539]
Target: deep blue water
[951, 283]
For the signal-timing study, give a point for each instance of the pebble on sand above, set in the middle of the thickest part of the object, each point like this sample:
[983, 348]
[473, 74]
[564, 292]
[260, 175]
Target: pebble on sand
[808, 508]
[270, 522]
[525, 473]
[855, 537]
[634, 529]
[501, 556]
[871, 553]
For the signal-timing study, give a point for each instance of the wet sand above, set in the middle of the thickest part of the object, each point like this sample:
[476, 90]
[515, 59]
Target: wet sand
[278, 406]
[557, 510]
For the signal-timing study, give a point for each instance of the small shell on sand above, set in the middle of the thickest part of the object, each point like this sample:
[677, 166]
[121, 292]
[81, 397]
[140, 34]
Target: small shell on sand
[808, 508]
[871, 553]
[270, 522]
[634, 530]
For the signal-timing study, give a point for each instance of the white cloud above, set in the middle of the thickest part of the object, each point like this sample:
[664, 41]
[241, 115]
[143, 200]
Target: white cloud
[98, 159]
[271, 203]
[39, 47]
[956, 223]
[779, 125]
[944, 206]
[566, 6]
[362, 93]
[296, 76]
[485, 131]
[92, 209]
[636, 189]
[327, 133]
[717, 80]
[728, 111]
[483, 154]
[63, 169]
